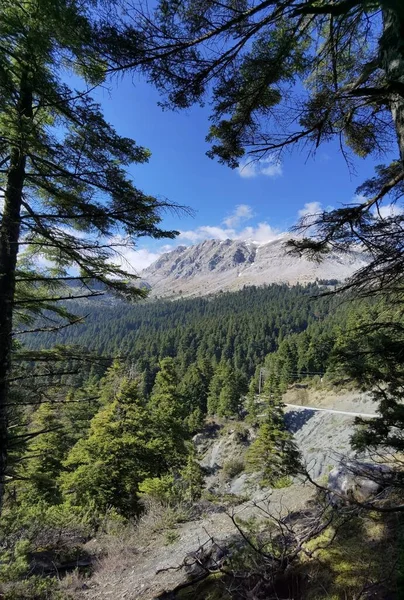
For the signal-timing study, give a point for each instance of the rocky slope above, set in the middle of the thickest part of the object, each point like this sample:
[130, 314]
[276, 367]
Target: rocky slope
[152, 567]
[215, 265]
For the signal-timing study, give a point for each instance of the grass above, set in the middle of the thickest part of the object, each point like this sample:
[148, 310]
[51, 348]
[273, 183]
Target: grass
[362, 556]
[212, 588]
[238, 428]
[171, 536]
[282, 482]
[224, 499]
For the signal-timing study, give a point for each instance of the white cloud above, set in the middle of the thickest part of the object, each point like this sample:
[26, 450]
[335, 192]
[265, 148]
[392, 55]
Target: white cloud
[207, 232]
[309, 209]
[385, 211]
[359, 198]
[125, 255]
[41, 262]
[135, 261]
[309, 213]
[389, 210]
[261, 234]
[242, 212]
[75, 233]
[270, 166]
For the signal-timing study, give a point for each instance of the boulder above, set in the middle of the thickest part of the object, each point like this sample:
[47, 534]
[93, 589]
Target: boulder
[360, 482]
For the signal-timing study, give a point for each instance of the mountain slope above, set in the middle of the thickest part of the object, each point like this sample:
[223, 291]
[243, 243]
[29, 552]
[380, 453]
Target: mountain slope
[215, 265]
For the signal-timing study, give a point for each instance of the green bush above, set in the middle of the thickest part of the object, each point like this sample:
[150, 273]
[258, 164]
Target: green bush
[34, 588]
[239, 430]
[191, 480]
[282, 482]
[161, 489]
[233, 467]
[47, 527]
[14, 563]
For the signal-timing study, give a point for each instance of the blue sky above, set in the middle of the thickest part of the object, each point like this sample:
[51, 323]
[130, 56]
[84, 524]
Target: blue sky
[256, 202]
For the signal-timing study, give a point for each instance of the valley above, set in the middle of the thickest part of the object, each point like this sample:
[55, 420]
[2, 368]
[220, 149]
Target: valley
[202, 300]
[194, 427]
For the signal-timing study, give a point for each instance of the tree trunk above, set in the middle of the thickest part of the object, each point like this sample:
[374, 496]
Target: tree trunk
[9, 238]
[392, 55]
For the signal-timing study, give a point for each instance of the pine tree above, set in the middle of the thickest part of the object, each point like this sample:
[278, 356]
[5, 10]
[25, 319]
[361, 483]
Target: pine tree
[226, 389]
[167, 413]
[192, 477]
[194, 388]
[251, 402]
[43, 462]
[273, 385]
[230, 397]
[195, 421]
[215, 388]
[106, 467]
[63, 168]
[274, 452]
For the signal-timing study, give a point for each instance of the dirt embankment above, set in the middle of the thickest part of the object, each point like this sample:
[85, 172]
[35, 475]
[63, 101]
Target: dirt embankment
[344, 400]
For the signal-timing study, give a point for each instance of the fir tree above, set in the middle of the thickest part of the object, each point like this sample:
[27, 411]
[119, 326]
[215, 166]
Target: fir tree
[193, 388]
[215, 388]
[106, 467]
[195, 421]
[167, 413]
[45, 456]
[251, 402]
[63, 168]
[273, 453]
[192, 478]
[226, 390]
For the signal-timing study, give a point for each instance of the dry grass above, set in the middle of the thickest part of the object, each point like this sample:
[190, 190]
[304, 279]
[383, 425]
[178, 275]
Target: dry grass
[72, 585]
[120, 544]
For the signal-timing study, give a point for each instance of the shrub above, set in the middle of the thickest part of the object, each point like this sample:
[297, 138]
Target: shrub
[191, 480]
[47, 527]
[171, 537]
[161, 489]
[233, 467]
[14, 563]
[239, 430]
[33, 588]
[282, 482]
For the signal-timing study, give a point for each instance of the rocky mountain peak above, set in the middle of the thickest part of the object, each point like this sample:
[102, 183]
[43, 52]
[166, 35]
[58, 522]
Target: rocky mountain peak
[218, 265]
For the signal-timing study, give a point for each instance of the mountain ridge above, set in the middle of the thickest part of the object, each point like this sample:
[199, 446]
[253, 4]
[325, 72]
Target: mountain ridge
[228, 265]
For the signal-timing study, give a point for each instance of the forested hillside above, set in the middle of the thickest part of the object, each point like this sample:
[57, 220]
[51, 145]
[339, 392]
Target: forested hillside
[132, 430]
[97, 441]
[240, 327]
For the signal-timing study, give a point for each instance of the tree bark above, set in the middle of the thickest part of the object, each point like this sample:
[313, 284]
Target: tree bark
[9, 238]
[392, 55]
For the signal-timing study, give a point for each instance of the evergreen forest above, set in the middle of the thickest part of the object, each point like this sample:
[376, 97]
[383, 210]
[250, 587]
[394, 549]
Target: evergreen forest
[146, 447]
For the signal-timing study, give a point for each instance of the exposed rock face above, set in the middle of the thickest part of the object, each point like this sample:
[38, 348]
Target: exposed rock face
[356, 481]
[219, 447]
[215, 265]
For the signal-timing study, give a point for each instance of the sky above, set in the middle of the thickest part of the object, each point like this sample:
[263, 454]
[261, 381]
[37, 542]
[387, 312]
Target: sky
[255, 202]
